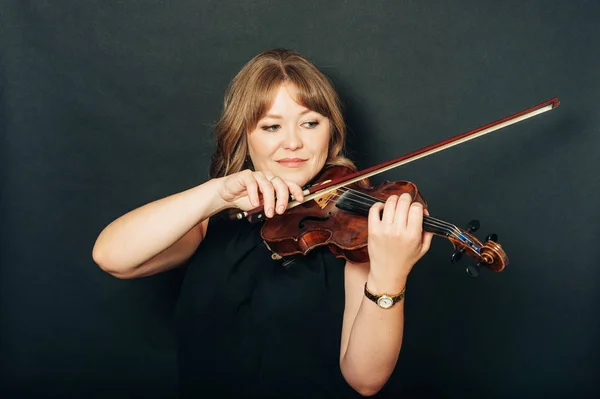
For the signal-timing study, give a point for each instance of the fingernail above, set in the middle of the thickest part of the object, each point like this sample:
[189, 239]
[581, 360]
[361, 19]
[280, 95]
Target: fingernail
[270, 212]
[280, 209]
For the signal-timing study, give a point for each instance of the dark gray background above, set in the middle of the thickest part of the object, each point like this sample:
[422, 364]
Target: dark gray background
[107, 105]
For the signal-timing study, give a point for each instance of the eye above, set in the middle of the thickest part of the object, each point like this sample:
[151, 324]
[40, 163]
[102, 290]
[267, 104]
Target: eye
[311, 124]
[270, 128]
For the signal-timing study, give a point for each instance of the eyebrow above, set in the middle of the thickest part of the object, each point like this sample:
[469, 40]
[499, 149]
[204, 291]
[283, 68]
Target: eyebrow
[275, 116]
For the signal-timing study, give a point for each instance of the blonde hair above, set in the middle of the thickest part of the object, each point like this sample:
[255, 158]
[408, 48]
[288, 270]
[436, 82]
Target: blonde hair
[249, 96]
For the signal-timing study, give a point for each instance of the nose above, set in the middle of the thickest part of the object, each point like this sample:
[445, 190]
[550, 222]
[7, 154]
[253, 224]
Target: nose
[292, 140]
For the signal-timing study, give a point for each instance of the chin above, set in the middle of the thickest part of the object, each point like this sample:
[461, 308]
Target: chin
[301, 176]
[300, 180]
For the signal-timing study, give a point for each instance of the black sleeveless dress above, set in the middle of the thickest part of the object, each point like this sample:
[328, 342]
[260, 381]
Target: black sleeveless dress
[251, 326]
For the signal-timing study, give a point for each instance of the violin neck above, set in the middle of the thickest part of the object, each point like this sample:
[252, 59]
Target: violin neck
[360, 203]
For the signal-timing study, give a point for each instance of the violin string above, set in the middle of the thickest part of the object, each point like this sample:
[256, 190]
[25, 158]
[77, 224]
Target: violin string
[429, 220]
[360, 198]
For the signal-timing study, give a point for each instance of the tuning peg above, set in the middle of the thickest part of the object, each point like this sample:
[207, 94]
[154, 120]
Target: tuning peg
[473, 226]
[492, 237]
[456, 256]
[473, 270]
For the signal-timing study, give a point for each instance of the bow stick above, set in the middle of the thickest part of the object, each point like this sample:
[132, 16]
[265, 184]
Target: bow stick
[327, 186]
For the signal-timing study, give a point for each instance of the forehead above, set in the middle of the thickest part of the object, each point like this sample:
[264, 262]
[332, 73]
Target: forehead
[286, 99]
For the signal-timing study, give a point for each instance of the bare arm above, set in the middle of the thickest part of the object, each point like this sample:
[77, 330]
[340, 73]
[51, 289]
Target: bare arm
[163, 234]
[157, 236]
[372, 336]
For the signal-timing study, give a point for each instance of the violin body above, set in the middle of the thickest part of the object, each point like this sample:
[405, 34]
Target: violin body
[339, 219]
[331, 219]
[335, 210]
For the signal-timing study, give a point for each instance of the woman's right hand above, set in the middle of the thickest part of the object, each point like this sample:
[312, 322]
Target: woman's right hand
[246, 189]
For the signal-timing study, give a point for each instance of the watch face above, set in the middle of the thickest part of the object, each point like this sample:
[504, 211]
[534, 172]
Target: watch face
[385, 302]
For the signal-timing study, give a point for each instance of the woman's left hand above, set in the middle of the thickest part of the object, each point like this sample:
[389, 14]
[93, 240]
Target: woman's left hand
[396, 241]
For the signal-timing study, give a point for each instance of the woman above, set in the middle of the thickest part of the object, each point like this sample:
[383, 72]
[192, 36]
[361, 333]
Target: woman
[249, 324]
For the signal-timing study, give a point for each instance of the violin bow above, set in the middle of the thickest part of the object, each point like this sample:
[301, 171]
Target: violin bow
[327, 186]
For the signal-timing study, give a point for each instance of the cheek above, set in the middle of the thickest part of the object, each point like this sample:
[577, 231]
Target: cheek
[324, 144]
[253, 150]
[260, 148]
[255, 144]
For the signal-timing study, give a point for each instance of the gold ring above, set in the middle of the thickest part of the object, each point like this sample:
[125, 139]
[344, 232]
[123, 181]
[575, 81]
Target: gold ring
[273, 178]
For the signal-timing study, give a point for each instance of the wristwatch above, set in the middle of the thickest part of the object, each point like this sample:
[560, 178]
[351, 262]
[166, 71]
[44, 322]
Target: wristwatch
[384, 301]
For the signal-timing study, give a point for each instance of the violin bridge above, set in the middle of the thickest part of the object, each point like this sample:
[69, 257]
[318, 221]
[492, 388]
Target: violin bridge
[323, 200]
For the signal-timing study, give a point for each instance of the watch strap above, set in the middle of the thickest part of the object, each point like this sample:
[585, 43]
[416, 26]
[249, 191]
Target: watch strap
[385, 301]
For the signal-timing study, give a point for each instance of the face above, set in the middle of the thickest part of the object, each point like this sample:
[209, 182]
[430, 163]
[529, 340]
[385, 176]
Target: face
[290, 141]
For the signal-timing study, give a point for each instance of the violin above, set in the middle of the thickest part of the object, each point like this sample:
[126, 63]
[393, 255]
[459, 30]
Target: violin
[334, 212]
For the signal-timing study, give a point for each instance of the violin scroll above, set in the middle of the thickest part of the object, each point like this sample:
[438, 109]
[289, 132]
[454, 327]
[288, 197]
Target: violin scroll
[488, 254]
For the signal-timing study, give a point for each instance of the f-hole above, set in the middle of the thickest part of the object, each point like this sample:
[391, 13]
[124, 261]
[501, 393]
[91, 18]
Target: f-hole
[313, 218]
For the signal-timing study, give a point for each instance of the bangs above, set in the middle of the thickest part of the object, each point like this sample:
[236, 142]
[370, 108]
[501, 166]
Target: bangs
[265, 87]
[251, 94]
[310, 92]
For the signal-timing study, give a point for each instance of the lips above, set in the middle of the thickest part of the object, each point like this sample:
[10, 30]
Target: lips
[291, 162]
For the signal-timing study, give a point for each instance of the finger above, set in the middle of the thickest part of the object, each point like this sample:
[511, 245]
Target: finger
[268, 193]
[375, 215]
[426, 243]
[283, 193]
[402, 209]
[415, 218]
[248, 182]
[389, 210]
[295, 191]
[427, 237]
